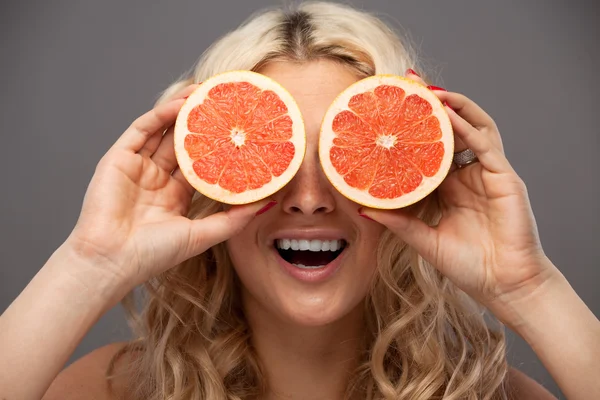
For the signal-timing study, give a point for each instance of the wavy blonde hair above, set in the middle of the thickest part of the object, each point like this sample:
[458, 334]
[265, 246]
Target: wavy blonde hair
[426, 339]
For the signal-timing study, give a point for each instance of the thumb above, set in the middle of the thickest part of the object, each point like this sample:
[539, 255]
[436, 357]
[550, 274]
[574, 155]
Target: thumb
[410, 229]
[216, 228]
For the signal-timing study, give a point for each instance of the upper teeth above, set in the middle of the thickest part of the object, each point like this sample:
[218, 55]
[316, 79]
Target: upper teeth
[310, 245]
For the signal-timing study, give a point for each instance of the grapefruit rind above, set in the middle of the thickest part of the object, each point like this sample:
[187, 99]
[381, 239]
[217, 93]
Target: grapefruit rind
[428, 185]
[214, 191]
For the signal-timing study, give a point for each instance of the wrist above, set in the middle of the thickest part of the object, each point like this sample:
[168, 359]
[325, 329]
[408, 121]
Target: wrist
[561, 330]
[89, 272]
[49, 319]
[516, 309]
[544, 309]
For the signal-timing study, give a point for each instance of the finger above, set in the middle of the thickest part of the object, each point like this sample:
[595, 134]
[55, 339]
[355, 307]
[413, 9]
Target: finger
[409, 228]
[186, 91]
[221, 226]
[179, 177]
[459, 145]
[472, 113]
[412, 75]
[154, 121]
[155, 140]
[151, 144]
[164, 156]
[453, 167]
[466, 108]
[488, 154]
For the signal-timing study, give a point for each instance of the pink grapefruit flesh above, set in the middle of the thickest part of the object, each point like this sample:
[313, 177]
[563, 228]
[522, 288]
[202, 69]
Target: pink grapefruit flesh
[239, 137]
[386, 142]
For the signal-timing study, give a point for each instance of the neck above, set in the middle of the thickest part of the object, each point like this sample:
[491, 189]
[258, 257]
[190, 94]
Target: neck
[305, 362]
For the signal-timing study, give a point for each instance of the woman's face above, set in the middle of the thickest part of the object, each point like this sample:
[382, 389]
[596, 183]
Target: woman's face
[310, 213]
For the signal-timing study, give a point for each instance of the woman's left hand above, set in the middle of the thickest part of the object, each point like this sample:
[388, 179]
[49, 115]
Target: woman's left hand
[486, 242]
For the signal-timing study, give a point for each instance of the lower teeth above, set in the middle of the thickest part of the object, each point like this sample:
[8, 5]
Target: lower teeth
[308, 266]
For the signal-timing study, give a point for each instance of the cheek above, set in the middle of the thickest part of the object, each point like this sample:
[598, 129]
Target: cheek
[243, 243]
[246, 258]
[371, 234]
[238, 253]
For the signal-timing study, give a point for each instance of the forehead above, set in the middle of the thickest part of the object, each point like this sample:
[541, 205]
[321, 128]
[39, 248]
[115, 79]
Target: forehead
[314, 85]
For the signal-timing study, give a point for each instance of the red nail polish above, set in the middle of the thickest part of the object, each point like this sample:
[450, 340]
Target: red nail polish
[266, 208]
[363, 215]
[436, 88]
[186, 97]
[412, 71]
[367, 217]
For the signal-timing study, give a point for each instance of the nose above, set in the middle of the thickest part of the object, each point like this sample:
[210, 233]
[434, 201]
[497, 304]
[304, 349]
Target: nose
[309, 192]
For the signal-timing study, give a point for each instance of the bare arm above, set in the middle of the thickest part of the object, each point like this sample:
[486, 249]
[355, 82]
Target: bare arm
[86, 379]
[522, 387]
[44, 325]
[564, 334]
[133, 226]
[488, 244]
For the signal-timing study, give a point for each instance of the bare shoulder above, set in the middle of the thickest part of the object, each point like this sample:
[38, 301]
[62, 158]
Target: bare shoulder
[523, 387]
[86, 377]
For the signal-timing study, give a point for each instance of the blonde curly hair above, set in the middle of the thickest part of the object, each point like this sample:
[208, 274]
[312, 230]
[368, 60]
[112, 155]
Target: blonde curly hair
[426, 339]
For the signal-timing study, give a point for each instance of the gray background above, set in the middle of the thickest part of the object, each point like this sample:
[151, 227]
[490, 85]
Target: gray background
[73, 75]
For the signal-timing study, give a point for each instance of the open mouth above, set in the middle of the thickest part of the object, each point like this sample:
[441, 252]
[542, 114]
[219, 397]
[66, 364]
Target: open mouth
[309, 253]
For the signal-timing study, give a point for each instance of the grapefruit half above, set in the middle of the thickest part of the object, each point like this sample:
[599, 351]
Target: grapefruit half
[386, 142]
[239, 137]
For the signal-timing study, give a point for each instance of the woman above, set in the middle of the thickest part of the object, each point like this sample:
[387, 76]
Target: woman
[402, 318]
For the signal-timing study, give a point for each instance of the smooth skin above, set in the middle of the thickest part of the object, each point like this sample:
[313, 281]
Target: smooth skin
[307, 335]
[133, 226]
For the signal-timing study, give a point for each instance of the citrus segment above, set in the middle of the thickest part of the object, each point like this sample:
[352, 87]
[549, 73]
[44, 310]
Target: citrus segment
[239, 137]
[386, 142]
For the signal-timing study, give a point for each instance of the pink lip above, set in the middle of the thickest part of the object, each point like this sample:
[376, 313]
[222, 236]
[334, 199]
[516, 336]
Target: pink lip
[315, 275]
[308, 234]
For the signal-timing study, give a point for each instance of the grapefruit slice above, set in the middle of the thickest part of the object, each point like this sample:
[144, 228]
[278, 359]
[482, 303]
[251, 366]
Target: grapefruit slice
[386, 142]
[239, 137]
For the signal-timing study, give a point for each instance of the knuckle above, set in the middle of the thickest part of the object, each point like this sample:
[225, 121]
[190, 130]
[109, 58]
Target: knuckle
[492, 125]
[107, 160]
[198, 241]
[517, 183]
[233, 224]
[104, 162]
[520, 183]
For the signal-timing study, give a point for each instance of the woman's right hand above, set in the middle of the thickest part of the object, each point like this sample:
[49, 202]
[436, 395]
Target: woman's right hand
[132, 226]
[133, 221]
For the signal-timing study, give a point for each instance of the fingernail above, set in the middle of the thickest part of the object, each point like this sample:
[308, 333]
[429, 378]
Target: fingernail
[186, 97]
[436, 88]
[360, 212]
[266, 208]
[412, 71]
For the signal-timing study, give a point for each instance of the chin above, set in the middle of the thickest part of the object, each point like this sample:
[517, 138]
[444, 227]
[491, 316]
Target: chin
[304, 279]
[311, 309]
[305, 304]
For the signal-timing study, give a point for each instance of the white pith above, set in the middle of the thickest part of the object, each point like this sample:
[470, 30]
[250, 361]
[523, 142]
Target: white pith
[327, 135]
[214, 191]
[387, 141]
[238, 137]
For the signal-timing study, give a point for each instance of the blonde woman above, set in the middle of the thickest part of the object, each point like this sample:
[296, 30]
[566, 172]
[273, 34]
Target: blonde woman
[401, 319]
